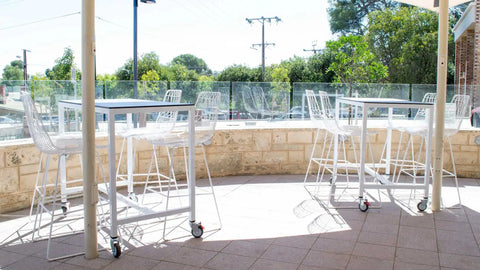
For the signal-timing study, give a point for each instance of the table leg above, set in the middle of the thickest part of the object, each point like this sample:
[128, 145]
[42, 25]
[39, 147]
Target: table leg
[130, 161]
[112, 190]
[191, 162]
[389, 143]
[363, 146]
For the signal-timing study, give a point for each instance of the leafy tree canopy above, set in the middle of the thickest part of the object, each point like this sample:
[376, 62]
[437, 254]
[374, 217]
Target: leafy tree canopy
[319, 65]
[354, 62]
[63, 66]
[350, 16]
[14, 71]
[239, 73]
[405, 40]
[191, 62]
[145, 63]
[297, 69]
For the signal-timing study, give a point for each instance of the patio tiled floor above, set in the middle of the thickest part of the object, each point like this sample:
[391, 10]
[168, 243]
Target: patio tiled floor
[271, 222]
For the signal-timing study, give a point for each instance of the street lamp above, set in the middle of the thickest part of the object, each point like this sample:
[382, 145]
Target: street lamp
[135, 72]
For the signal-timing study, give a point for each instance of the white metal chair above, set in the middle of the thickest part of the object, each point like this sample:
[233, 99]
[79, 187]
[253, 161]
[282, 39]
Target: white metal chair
[271, 105]
[61, 146]
[206, 107]
[462, 106]
[456, 111]
[165, 122]
[417, 126]
[250, 103]
[322, 113]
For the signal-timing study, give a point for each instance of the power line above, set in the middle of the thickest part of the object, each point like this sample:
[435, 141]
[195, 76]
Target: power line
[110, 22]
[42, 20]
[314, 44]
[262, 20]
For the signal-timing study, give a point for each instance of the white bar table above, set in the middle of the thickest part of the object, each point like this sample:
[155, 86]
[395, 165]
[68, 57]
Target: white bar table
[365, 104]
[112, 107]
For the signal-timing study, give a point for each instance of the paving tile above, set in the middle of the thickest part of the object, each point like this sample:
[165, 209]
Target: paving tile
[31, 262]
[452, 226]
[361, 263]
[7, 258]
[205, 244]
[459, 261]
[391, 237]
[285, 254]
[379, 226]
[309, 267]
[334, 245]
[352, 214]
[476, 230]
[326, 259]
[66, 266]
[246, 248]
[416, 256]
[421, 220]
[454, 242]
[159, 251]
[264, 264]
[457, 215]
[374, 251]
[28, 248]
[345, 235]
[386, 239]
[59, 250]
[229, 261]
[174, 266]
[104, 258]
[191, 256]
[126, 261]
[417, 238]
[298, 241]
[412, 266]
[390, 217]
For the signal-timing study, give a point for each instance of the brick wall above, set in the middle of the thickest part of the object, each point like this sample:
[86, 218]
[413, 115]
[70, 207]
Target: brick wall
[467, 59]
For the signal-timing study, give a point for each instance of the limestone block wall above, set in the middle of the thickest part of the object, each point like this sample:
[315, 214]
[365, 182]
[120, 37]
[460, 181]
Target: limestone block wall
[250, 151]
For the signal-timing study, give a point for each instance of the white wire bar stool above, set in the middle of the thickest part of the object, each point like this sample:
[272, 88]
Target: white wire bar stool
[456, 111]
[327, 160]
[206, 116]
[62, 146]
[164, 123]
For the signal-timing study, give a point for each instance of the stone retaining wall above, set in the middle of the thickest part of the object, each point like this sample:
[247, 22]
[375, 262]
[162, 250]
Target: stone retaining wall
[232, 152]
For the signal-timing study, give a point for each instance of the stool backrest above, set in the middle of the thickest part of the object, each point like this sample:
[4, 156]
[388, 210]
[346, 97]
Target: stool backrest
[37, 130]
[166, 120]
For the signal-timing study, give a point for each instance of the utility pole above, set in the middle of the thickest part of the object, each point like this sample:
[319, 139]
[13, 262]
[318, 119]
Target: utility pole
[25, 74]
[263, 44]
[314, 44]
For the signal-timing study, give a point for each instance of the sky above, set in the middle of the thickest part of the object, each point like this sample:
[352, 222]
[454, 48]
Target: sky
[214, 30]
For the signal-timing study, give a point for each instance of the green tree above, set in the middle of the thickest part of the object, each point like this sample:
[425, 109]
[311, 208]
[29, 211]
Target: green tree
[239, 73]
[14, 71]
[63, 66]
[148, 62]
[191, 62]
[40, 91]
[106, 77]
[145, 63]
[181, 73]
[349, 16]
[405, 40]
[318, 66]
[297, 69]
[354, 62]
[279, 74]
